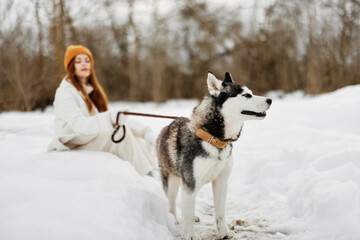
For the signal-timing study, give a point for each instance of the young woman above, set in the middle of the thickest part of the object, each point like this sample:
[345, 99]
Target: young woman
[83, 121]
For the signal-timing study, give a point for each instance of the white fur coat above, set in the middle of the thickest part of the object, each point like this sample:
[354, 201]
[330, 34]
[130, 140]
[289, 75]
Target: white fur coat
[73, 122]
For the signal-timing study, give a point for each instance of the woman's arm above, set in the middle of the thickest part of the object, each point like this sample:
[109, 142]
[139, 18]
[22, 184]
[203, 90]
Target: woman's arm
[67, 108]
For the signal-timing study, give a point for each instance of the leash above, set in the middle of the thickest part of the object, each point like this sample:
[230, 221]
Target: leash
[148, 115]
[117, 125]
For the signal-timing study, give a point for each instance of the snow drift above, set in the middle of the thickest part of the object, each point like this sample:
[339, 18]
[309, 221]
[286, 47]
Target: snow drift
[296, 176]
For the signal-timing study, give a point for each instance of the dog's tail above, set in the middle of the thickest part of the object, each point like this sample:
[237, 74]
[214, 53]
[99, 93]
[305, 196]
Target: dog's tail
[165, 180]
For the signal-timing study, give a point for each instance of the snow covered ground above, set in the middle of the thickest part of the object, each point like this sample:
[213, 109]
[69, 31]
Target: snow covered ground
[296, 176]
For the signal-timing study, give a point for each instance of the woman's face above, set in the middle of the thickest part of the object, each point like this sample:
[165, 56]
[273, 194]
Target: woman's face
[82, 66]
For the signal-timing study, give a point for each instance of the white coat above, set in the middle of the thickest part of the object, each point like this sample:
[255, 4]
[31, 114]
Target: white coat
[76, 128]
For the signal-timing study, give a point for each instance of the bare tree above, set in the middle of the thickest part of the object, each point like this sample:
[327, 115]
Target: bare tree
[310, 45]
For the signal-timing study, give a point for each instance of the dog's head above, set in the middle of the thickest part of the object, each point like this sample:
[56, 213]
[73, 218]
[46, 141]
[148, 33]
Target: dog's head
[236, 102]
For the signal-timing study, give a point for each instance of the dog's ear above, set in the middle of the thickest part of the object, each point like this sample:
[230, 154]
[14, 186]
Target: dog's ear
[214, 85]
[228, 78]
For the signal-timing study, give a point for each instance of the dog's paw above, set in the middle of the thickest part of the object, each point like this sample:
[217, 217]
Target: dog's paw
[228, 234]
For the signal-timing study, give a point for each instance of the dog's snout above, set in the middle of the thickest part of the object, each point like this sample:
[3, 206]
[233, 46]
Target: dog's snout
[269, 101]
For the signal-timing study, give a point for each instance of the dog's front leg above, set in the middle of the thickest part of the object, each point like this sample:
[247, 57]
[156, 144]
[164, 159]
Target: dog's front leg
[219, 193]
[188, 212]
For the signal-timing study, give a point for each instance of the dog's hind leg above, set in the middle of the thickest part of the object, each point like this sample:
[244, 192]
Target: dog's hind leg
[172, 191]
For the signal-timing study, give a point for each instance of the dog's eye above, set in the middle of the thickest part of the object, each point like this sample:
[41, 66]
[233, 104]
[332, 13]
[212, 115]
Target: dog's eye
[247, 95]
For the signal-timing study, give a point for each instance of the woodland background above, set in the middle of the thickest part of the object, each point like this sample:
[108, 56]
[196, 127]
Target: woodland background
[150, 50]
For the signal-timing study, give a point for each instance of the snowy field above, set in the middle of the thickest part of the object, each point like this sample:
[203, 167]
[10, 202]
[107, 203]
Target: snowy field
[296, 175]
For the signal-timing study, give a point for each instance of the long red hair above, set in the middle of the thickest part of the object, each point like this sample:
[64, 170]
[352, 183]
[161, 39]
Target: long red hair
[97, 97]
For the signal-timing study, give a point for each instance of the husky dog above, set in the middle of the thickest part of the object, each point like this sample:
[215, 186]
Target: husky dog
[198, 150]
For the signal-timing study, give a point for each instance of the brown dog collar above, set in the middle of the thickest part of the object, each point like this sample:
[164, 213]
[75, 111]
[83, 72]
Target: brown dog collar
[210, 138]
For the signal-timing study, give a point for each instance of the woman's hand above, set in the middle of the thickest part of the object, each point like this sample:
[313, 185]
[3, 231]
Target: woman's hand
[122, 118]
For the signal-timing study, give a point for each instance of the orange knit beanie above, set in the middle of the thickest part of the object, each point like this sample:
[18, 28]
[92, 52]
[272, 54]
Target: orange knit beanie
[74, 50]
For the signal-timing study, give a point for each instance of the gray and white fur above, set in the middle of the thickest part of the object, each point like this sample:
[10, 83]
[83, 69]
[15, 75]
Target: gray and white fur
[191, 162]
